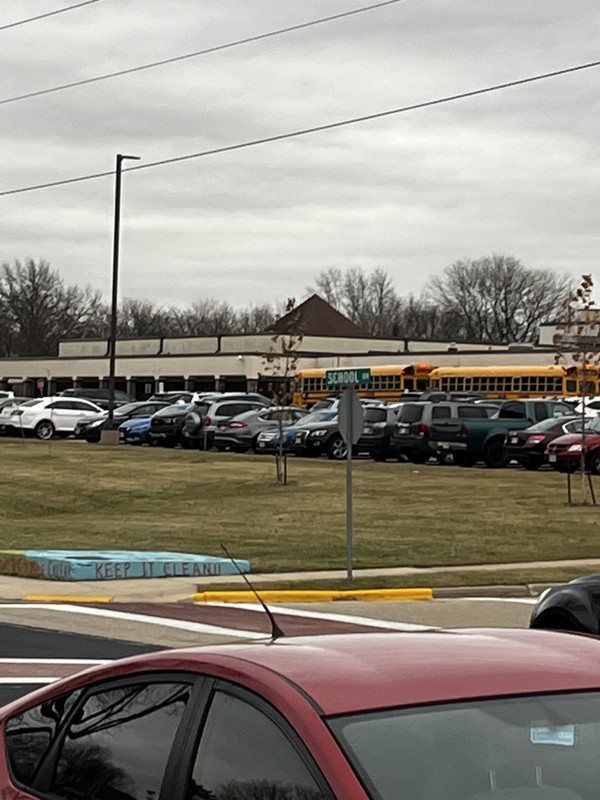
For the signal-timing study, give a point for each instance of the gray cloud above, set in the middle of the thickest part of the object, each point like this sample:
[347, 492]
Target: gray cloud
[513, 172]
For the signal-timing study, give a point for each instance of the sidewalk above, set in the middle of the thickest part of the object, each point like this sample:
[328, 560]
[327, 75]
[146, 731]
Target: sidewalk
[173, 590]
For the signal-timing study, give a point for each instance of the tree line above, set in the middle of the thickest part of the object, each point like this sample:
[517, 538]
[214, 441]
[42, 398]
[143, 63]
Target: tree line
[493, 299]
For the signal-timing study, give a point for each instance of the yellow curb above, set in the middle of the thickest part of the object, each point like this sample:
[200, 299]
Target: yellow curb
[65, 598]
[312, 596]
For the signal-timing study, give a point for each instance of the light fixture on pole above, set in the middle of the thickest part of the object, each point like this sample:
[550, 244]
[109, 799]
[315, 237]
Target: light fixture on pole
[115, 285]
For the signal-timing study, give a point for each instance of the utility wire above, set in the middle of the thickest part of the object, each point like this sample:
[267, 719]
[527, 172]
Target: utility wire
[228, 45]
[48, 14]
[316, 129]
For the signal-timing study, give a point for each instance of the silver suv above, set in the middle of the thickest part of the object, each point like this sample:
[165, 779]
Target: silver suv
[204, 416]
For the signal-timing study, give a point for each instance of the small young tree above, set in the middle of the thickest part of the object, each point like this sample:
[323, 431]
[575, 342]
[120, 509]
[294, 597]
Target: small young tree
[578, 340]
[281, 362]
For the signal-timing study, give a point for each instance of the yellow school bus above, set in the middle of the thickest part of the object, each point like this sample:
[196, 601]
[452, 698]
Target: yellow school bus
[513, 382]
[388, 383]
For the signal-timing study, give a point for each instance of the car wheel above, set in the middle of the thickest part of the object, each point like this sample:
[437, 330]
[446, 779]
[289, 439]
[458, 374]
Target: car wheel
[494, 456]
[594, 462]
[419, 458]
[337, 449]
[376, 456]
[44, 430]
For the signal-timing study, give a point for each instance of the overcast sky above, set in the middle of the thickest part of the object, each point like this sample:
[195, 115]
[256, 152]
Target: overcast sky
[515, 172]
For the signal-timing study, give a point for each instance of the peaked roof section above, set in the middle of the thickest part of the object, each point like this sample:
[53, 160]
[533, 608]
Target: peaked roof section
[315, 317]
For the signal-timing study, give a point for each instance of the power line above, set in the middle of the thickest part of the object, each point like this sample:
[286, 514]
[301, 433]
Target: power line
[48, 14]
[228, 45]
[315, 129]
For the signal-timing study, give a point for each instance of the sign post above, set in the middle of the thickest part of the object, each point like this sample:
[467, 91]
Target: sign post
[351, 425]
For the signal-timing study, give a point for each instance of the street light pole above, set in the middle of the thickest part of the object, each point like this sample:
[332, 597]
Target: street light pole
[115, 286]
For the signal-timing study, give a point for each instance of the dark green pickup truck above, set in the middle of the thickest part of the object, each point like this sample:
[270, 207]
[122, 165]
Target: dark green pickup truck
[473, 440]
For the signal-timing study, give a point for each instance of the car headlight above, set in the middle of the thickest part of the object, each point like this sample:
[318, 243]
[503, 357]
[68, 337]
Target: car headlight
[318, 433]
[575, 448]
[95, 424]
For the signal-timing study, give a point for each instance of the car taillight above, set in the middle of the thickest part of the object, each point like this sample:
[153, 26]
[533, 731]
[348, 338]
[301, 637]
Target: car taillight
[423, 429]
[19, 412]
[237, 425]
[463, 430]
[206, 421]
[535, 438]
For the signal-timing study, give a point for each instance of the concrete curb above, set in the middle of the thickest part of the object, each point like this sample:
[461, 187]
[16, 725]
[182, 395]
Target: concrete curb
[312, 596]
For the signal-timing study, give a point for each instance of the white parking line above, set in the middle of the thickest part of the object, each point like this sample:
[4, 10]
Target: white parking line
[181, 624]
[368, 622]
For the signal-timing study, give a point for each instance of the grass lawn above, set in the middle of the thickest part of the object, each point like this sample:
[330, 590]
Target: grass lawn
[66, 494]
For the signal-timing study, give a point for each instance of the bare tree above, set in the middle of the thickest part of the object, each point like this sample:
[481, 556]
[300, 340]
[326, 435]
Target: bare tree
[497, 299]
[40, 310]
[281, 361]
[140, 318]
[578, 341]
[367, 298]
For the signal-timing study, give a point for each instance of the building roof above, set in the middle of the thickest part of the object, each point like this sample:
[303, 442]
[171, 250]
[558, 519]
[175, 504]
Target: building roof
[315, 317]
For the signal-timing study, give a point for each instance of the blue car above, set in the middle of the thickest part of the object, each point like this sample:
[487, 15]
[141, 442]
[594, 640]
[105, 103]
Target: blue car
[135, 431]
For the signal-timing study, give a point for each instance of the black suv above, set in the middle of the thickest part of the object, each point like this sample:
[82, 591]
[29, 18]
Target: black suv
[101, 397]
[166, 426]
[379, 424]
[321, 436]
[415, 434]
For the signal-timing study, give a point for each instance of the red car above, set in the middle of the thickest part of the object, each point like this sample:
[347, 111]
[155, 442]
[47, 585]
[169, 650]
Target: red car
[457, 714]
[564, 453]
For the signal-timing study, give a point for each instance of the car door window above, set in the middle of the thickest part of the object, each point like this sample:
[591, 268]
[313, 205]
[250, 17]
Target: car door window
[29, 735]
[541, 411]
[61, 405]
[513, 411]
[78, 405]
[244, 753]
[119, 742]
[440, 412]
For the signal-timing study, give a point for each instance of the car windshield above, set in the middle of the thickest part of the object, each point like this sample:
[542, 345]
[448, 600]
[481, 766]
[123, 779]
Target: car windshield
[176, 408]
[316, 416]
[544, 425]
[375, 415]
[524, 748]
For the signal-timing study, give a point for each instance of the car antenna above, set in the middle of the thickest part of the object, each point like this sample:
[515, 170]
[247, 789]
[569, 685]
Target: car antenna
[276, 632]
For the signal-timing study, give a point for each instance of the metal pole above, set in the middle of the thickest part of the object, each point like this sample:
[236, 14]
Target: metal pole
[349, 429]
[115, 285]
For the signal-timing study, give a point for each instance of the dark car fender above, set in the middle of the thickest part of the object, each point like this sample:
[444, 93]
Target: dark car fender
[573, 606]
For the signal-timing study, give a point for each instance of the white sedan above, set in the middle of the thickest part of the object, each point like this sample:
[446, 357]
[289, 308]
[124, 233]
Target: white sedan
[47, 416]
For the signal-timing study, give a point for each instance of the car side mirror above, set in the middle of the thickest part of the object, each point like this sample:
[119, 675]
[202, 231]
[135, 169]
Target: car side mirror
[573, 606]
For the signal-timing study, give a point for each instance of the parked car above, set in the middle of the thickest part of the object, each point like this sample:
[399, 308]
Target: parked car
[319, 435]
[5, 394]
[564, 452]
[91, 429]
[101, 397]
[528, 447]
[379, 423]
[422, 428]
[483, 439]
[172, 397]
[592, 406]
[203, 417]
[7, 406]
[167, 424]
[46, 416]
[402, 715]
[268, 441]
[241, 433]
[135, 431]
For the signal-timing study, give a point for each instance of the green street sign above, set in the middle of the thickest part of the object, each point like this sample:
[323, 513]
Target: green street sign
[336, 378]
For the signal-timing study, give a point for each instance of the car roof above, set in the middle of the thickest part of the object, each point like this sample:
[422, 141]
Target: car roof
[354, 672]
